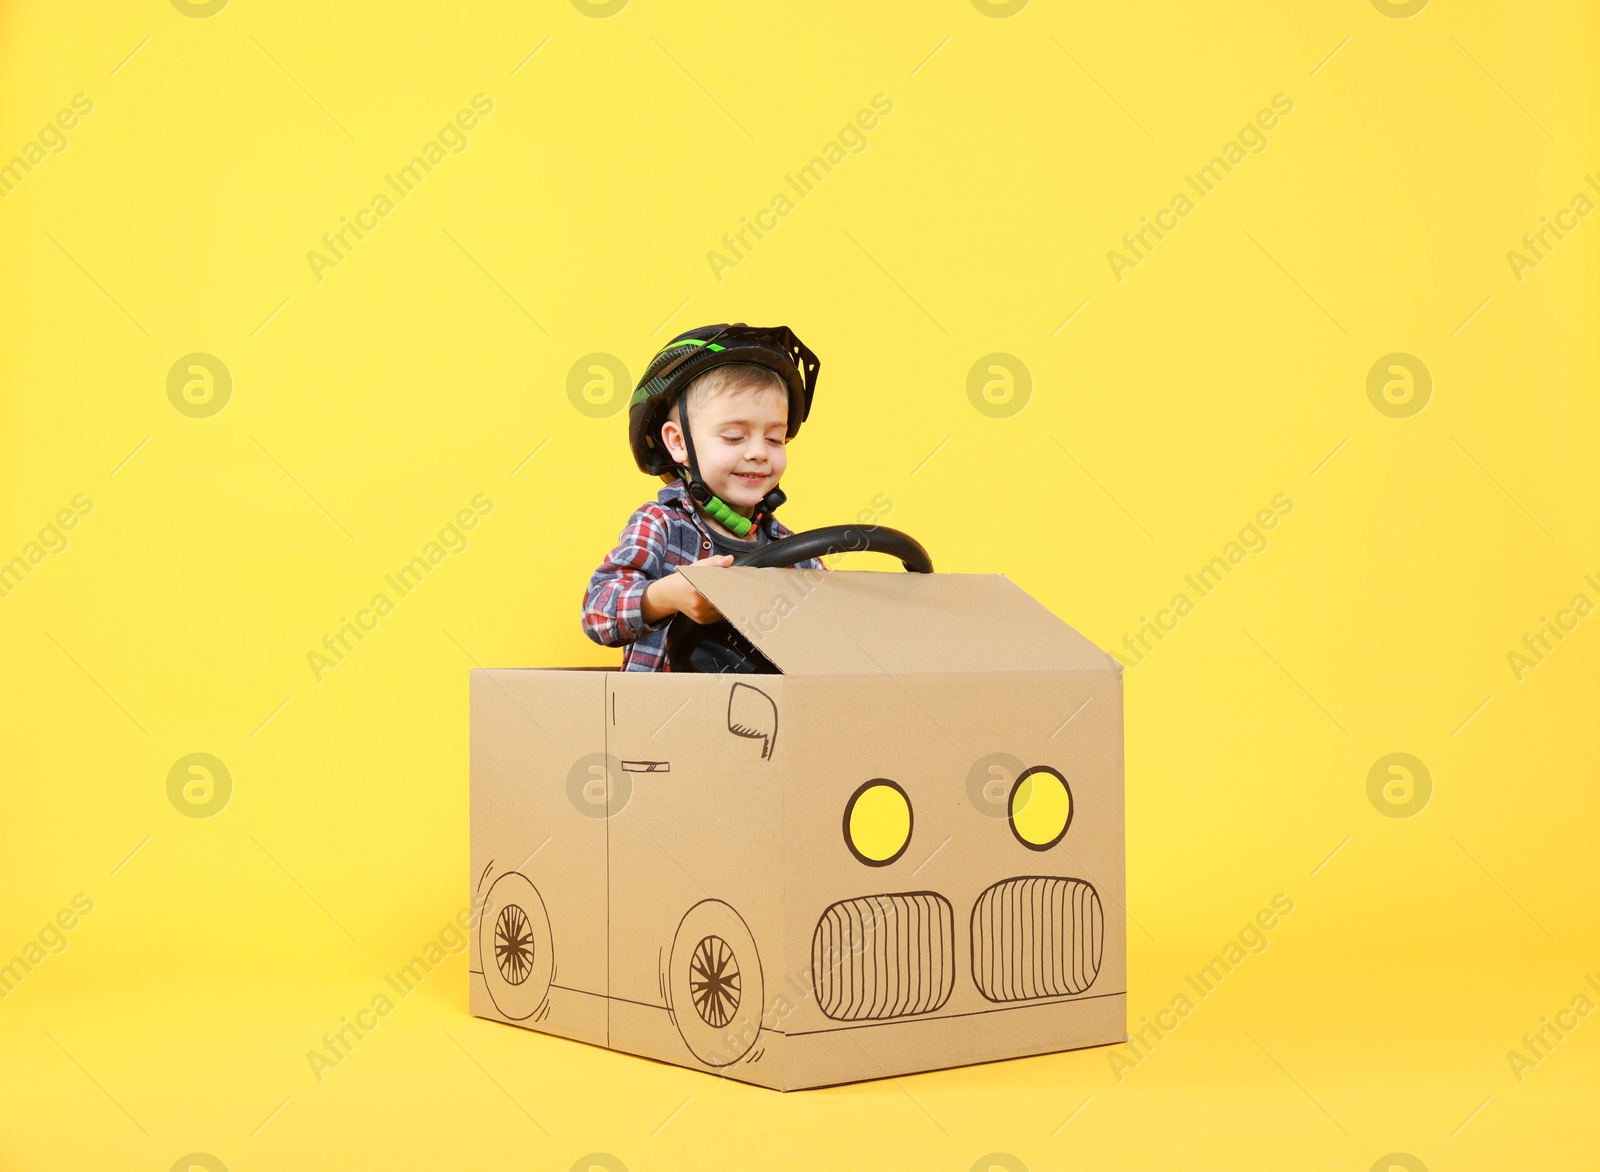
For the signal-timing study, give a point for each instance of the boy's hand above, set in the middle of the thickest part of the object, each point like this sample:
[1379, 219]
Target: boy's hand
[675, 595]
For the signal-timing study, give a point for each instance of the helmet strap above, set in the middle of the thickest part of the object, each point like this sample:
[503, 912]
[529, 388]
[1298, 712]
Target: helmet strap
[699, 491]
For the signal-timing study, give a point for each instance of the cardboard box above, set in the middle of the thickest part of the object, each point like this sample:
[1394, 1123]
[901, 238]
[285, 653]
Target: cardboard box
[709, 869]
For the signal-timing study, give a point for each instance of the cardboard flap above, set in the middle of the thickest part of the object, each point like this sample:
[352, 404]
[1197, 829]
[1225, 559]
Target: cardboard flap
[861, 622]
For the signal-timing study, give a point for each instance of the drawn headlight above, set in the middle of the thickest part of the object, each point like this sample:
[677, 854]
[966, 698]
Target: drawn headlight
[877, 822]
[1040, 808]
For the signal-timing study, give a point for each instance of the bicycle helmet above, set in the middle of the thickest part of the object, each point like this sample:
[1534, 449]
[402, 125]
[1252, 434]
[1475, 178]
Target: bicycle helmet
[684, 359]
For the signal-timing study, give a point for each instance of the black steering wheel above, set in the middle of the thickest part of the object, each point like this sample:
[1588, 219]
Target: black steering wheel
[718, 647]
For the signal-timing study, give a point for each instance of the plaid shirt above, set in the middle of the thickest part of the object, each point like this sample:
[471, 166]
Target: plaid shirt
[660, 536]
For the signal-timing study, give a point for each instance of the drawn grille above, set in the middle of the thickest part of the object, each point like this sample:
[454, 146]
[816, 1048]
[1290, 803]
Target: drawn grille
[1036, 937]
[884, 956]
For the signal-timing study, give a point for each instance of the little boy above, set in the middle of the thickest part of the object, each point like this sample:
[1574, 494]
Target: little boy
[712, 417]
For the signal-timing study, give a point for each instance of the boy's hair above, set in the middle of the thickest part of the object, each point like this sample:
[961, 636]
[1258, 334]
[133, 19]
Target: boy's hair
[726, 380]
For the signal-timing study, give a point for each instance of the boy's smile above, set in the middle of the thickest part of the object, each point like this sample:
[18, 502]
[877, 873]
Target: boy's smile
[739, 443]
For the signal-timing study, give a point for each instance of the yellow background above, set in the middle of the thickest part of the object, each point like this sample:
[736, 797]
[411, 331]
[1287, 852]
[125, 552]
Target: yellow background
[368, 407]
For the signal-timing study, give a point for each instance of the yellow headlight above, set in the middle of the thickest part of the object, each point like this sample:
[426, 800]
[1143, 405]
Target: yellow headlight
[877, 822]
[1041, 808]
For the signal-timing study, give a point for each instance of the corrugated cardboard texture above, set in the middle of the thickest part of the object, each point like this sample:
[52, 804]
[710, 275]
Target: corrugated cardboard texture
[695, 856]
[862, 622]
[533, 734]
[934, 736]
[670, 871]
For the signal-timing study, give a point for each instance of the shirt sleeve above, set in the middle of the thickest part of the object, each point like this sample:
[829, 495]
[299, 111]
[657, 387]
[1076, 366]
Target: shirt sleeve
[612, 614]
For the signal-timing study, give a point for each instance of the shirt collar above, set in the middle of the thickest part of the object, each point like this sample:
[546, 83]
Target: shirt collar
[676, 496]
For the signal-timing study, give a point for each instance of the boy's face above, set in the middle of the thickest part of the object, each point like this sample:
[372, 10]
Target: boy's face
[738, 442]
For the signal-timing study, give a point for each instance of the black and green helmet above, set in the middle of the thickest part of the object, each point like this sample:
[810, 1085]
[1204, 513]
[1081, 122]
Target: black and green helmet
[690, 355]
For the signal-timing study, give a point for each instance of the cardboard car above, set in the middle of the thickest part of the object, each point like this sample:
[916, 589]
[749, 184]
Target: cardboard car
[900, 851]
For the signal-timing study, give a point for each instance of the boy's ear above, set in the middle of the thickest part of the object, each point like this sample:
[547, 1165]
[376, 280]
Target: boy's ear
[672, 439]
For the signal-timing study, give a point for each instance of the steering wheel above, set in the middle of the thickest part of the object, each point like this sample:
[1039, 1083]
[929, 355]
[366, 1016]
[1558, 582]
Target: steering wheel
[719, 648]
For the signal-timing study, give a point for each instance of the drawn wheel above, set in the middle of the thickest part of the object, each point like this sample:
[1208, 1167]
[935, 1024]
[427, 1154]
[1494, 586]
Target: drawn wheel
[514, 946]
[715, 981]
